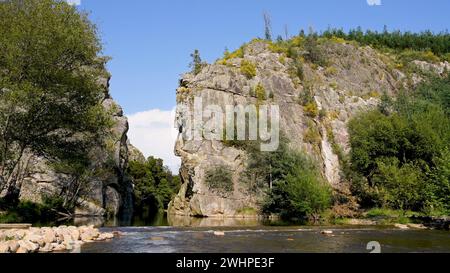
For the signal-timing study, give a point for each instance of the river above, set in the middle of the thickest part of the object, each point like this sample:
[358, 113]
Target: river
[198, 236]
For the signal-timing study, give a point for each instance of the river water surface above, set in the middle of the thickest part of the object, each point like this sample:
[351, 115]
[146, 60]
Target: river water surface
[270, 239]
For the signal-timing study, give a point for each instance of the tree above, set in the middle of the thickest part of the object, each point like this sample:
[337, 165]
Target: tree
[154, 184]
[298, 190]
[399, 152]
[267, 26]
[315, 53]
[49, 92]
[196, 64]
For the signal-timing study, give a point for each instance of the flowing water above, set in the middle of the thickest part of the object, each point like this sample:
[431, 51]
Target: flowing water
[197, 236]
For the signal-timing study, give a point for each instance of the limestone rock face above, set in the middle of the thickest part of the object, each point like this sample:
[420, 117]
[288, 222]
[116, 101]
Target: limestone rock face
[353, 82]
[109, 190]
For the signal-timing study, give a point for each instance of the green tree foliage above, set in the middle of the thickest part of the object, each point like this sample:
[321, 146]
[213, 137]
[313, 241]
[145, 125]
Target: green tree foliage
[398, 186]
[28, 212]
[301, 195]
[438, 186]
[314, 52]
[49, 93]
[154, 185]
[399, 155]
[294, 184]
[438, 43]
[407, 46]
[197, 64]
[437, 91]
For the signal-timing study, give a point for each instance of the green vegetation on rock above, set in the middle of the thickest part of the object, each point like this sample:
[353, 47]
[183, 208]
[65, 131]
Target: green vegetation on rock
[197, 64]
[293, 183]
[248, 69]
[427, 41]
[400, 152]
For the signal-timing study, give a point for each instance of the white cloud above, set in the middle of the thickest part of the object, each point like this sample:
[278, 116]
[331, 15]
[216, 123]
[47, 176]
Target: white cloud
[374, 2]
[154, 134]
[74, 2]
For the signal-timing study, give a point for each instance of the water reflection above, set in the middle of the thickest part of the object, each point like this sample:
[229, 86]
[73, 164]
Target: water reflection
[185, 221]
[161, 219]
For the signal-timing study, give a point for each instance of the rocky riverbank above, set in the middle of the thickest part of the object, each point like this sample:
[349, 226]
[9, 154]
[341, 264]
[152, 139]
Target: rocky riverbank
[50, 239]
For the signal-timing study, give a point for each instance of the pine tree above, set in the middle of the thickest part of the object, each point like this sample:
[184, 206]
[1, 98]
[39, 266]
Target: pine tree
[197, 63]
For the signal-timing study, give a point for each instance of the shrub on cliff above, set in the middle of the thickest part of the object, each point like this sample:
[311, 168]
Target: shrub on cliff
[49, 91]
[294, 185]
[248, 69]
[314, 53]
[260, 92]
[299, 192]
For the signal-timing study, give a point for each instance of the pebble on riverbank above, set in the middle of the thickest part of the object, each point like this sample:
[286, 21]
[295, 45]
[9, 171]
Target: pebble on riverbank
[49, 239]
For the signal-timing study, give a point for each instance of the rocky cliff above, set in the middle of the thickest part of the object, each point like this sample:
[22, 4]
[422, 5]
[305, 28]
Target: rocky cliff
[107, 190]
[353, 80]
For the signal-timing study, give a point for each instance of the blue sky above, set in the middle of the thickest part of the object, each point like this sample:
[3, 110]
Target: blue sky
[150, 42]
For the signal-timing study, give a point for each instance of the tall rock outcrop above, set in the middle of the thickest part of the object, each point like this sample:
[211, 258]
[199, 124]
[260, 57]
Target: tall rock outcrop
[107, 189]
[353, 81]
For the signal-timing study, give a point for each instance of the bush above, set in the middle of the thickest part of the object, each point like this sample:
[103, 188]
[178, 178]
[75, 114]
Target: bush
[239, 53]
[330, 71]
[29, 212]
[260, 92]
[437, 188]
[315, 54]
[298, 190]
[227, 55]
[301, 194]
[400, 187]
[311, 109]
[408, 56]
[248, 69]
[219, 179]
